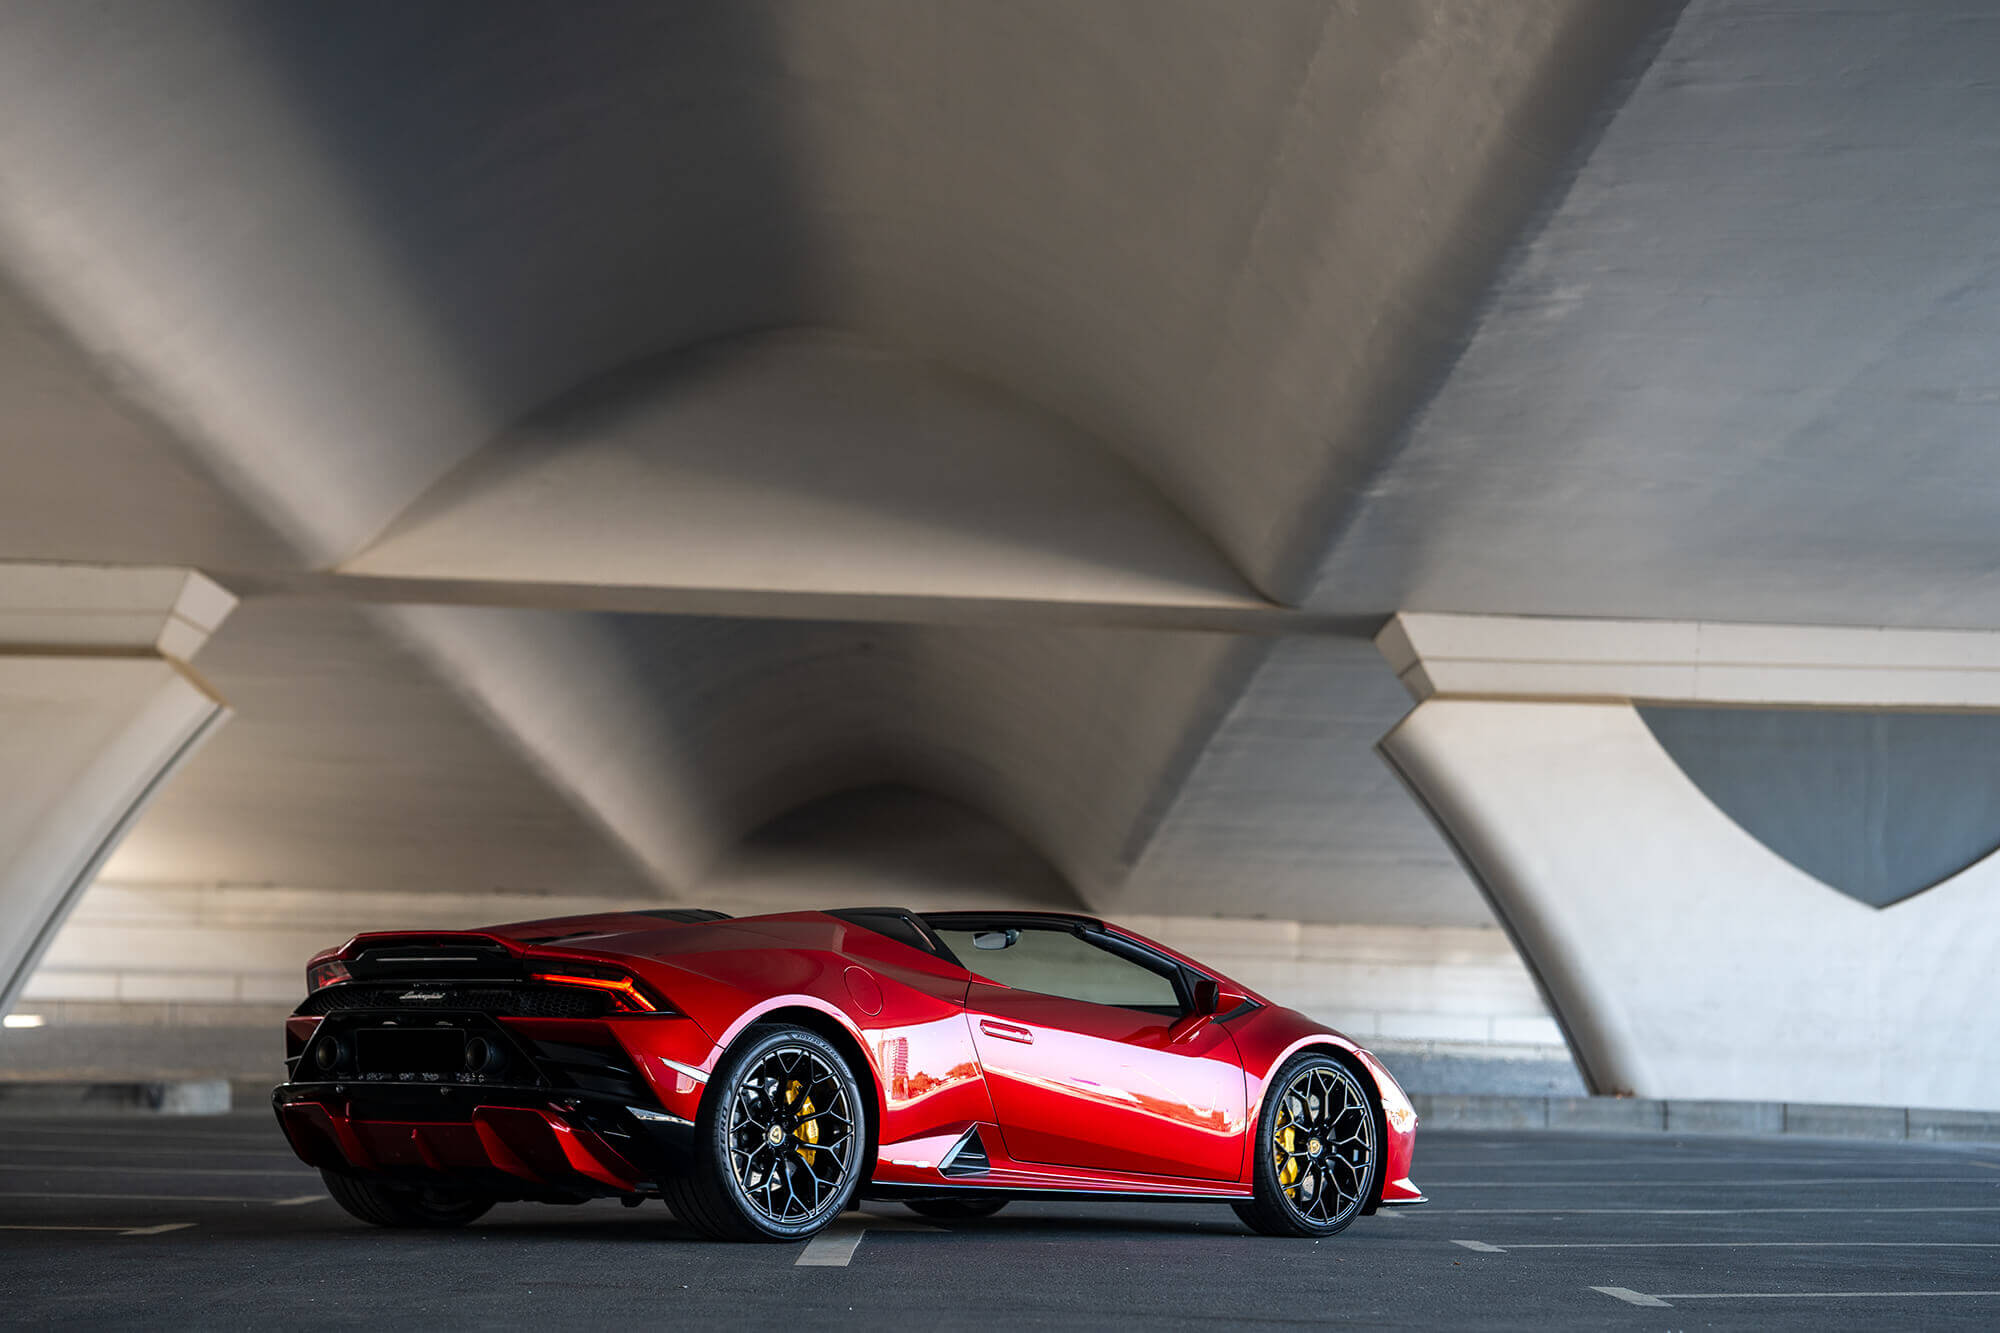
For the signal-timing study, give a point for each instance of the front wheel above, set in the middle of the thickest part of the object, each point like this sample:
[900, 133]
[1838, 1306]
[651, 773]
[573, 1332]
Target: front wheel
[386, 1204]
[779, 1140]
[1318, 1153]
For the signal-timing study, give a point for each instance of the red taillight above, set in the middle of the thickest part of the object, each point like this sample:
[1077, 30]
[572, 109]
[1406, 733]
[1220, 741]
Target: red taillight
[320, 975]
[628, 994]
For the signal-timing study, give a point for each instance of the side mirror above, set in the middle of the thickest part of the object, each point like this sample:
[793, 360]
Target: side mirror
[1206, 997]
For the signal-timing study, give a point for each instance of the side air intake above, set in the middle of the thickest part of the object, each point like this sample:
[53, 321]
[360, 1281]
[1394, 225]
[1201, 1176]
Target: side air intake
[967, 1157]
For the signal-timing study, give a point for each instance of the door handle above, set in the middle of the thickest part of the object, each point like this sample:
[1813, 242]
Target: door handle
[1006, 1031]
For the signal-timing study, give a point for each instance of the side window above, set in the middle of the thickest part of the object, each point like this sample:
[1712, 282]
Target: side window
[1055, 962]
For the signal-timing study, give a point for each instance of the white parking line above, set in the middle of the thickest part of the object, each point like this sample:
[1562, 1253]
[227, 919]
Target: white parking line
[97, 1149]
[1774, 1182]
[159, 1230]
[157, 1133]
[1925, 1153]
[831, 1248]
[835, 1246]
[1721, 1212]
[1631, 1297]
[298, 1199]
[1483, 1248]
[1807, 1295]
[1666, 1298]
[293, 1173]
[141, 1198]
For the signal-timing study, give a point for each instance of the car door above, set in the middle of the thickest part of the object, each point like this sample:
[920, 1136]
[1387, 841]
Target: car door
[1087, 1055]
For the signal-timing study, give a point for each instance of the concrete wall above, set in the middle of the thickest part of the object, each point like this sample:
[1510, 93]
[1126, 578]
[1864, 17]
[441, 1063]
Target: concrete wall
[235, 957]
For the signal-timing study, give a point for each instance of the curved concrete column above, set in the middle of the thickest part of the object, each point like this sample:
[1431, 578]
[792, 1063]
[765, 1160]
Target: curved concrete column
[96, 710]
[1682, 956]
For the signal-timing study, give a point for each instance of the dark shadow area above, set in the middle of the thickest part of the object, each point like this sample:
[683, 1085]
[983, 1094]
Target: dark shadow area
[894, 845]
[563, 188]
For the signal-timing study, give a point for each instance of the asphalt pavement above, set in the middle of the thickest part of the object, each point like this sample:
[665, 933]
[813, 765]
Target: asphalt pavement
[165, 1222]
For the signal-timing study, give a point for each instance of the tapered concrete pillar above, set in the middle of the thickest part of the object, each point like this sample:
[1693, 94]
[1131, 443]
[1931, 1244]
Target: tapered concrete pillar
[97, 708]
[1683, 955]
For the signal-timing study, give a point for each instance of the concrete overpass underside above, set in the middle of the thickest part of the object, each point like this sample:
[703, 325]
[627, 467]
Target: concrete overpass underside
[757, 454]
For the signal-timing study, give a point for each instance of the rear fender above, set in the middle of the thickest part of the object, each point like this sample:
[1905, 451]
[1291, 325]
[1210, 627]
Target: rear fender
[849, 1041]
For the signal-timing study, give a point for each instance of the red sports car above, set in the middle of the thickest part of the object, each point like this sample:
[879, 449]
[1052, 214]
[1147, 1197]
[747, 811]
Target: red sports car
[759, 1073]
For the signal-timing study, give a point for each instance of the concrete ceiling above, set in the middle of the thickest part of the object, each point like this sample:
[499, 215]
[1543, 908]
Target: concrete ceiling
[1745, 370]
[1034, 405]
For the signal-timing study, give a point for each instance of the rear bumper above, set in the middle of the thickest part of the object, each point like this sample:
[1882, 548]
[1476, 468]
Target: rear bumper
[515, 1142]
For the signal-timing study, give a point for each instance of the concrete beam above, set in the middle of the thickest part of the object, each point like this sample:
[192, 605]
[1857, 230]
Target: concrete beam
[1683, 957]
[96, 711]
[1525, 657]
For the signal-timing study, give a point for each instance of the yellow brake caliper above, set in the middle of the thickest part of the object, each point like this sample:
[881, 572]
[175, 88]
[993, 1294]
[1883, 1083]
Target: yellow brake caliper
[1281, 1145]
[808, 1129]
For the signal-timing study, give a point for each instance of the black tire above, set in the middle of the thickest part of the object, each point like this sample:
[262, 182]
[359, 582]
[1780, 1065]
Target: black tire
[385, 1203]
[1319, 1149]
[817, 1156]
[955, 1210]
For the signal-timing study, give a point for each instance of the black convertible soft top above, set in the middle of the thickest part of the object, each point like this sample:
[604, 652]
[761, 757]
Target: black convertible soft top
[919, 929]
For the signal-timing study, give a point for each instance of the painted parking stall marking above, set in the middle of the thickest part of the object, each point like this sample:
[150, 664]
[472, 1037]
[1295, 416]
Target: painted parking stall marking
[291, 1173]
[835, 1246]
[1705, 1184]
[154, 1198]
[1631, 1297]
[1481, 1247]
[150, 1150]
[159, 1229]
[1666, 1299]
[1725, 1212]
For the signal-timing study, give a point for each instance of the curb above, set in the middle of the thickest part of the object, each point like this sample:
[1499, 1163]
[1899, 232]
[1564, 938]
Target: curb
[1649, 1115]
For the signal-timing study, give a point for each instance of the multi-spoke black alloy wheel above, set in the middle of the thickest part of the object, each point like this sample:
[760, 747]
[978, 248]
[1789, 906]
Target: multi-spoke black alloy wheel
[781, 1135]
[1318, 1150]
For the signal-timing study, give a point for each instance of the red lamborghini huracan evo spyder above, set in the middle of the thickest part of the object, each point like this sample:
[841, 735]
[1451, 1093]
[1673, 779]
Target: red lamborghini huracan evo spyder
[759, 1073]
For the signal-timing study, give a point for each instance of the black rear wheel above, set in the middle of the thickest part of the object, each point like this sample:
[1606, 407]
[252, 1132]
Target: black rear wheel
[1318, 1154]
[386, 1203]
[955, 1210]
[779, 1140]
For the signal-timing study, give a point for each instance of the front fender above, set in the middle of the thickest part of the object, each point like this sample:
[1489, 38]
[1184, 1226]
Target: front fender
[1270, 1037]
